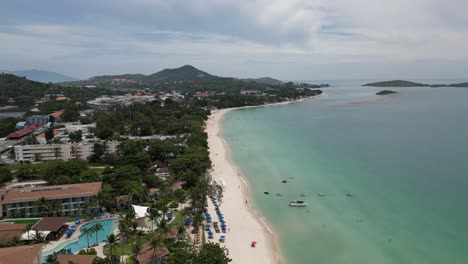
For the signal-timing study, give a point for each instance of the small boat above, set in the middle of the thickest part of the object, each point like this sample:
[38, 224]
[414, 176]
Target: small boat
[302, 194]
[321, 194]
[349, 194]
[279, 194]
[297, 203]
[285, 181]
[266, 192]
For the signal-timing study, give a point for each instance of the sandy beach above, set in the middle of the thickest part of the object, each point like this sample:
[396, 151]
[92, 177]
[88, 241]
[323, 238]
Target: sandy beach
[244, 222]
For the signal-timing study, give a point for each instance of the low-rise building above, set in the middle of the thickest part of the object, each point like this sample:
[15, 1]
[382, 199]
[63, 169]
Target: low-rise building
[149, 256]
[23, 132]
[66, 151]
[24, 201]
[30, 254]
[37, 119]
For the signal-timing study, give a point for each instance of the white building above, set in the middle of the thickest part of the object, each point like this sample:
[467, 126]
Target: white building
[67, 151]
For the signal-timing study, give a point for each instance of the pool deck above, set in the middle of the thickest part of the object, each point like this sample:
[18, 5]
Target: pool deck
[54, 244]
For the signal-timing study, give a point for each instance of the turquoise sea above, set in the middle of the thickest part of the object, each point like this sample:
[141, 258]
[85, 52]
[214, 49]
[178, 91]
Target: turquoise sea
[404, 158]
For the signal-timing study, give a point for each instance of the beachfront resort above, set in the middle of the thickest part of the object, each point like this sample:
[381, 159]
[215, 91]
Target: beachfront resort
[62, 223]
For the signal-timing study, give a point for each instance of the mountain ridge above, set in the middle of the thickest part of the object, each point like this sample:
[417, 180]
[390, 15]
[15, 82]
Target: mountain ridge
[43, 76]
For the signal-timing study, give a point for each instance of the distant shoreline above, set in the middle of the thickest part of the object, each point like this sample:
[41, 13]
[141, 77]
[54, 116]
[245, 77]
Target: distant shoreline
[402, 83]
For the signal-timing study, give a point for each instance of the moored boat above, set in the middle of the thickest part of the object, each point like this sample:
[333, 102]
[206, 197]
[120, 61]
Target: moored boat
[297, 203]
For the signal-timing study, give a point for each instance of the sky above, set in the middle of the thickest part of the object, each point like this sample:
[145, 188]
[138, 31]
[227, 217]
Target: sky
[285, 39]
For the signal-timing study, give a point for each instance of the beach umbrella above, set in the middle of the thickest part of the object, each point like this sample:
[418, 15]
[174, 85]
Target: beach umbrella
[210, 233]
[208, 226]
[221, 217]
[254, 242]
[222, 237]
[223, 225]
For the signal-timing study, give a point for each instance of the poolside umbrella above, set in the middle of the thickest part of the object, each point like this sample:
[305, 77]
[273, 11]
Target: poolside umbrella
[254, 243]
[222, 237]
[221, 217]
[207, 226]
[210, 234]
[223, 225]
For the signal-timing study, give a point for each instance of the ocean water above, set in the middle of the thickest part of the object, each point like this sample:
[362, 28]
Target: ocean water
[404, 158]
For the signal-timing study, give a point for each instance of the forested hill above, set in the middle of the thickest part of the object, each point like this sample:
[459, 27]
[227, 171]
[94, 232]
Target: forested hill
[23, 92]
[183, 78]
[396, 83]
[400, 83]
[43, 76]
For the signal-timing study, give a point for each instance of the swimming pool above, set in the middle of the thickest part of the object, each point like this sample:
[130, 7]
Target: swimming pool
[77, 244]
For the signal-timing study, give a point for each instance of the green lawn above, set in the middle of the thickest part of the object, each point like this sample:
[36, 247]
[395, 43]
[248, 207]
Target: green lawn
[178, 219]
[127, 247]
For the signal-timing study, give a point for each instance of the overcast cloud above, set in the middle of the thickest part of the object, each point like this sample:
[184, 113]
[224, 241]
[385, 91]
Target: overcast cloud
[286, 39]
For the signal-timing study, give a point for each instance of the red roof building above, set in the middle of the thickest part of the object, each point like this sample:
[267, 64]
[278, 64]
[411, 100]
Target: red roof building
[18, 134]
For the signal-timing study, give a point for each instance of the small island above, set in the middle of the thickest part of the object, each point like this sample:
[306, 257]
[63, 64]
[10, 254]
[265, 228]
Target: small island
[401, 83]
[386, 92]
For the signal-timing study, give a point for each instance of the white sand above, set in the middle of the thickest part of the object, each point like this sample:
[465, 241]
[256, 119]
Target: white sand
[244, 224]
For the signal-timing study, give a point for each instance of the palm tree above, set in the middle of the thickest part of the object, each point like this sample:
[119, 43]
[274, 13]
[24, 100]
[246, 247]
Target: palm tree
[111, 240]
[153, 216]
[96, 228]
[135, 250]
[140, 234]
[38, 238]
[55, 206]
[86, 232]
[123, 229]
[28, 229]
[155, 242]
[43, 204]
[163, 227]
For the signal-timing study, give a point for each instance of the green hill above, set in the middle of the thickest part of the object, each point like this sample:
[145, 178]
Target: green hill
[181, 74]
[396, 83]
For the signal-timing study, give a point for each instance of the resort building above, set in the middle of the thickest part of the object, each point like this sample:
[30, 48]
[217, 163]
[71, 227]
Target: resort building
[149, 256]
[71, 197]
[31, 254]
[66, 151]
[37, 119]
[9, 231]
[23, 132]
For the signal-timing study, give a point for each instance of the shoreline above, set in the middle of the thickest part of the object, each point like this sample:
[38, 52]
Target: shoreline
[244, 219]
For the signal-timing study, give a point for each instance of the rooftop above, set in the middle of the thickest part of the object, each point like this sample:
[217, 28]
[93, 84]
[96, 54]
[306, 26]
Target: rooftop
[52, 192]
[9, 231]
[78, 259]
[24, 131]
[20, 254]
[50, 224]
[146, 253]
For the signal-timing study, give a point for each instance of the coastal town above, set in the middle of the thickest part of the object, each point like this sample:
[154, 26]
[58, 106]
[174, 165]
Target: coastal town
[128, 177]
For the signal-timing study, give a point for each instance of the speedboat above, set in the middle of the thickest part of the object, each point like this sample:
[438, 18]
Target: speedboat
[349, 194]
[321, 194]
[297, 203]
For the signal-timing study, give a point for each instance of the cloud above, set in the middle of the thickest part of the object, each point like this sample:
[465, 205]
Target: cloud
[268, 36]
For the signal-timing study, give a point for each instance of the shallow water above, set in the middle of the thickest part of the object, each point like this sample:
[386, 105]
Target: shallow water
[403, 157]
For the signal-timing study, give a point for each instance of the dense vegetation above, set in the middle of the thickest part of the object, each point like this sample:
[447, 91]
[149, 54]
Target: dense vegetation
[24, 92]
[385, 92]
[400, 83]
